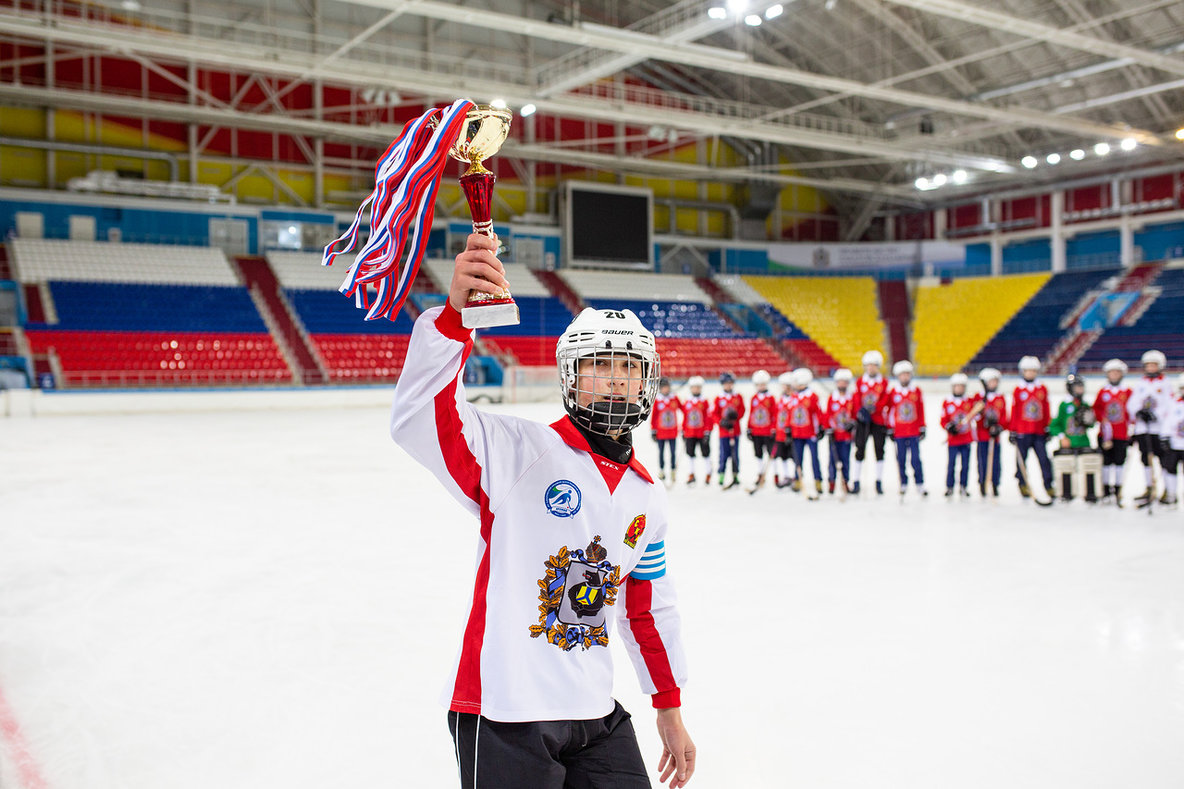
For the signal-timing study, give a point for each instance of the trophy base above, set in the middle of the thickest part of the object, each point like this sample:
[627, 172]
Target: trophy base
[487, 314]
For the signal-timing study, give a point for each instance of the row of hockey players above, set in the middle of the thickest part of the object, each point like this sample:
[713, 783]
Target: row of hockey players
[787, 429]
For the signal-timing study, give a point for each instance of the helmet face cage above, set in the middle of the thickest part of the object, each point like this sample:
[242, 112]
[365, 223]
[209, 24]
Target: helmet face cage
[617, 386]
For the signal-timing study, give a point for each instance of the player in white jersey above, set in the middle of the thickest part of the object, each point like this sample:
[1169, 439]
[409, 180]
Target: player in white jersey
[1151, 396]
[571, 528]
[1173, 440]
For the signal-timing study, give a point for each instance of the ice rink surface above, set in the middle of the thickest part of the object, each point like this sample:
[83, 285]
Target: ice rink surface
[274, 599]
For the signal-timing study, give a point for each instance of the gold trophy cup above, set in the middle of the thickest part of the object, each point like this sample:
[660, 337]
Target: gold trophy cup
[484, 132]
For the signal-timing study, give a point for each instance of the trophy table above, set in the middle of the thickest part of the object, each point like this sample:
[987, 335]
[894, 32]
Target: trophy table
[485, 129]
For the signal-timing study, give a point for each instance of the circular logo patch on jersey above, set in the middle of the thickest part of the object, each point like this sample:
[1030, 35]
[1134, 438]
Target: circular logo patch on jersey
[694, 418]
[667, 418]
[1115, 411]
[1033, 411]
[759, 418]
[562, 498]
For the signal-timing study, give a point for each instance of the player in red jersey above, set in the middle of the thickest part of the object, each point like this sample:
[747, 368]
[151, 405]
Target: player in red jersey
[1110, 407]
[839, 425]
[696, 429]
[988, 426]
[871, 421]
[805, 425]
[664, 428]
[782, 436]
[906, 423]
[957, 417]
[727, 409]
[762, 423]
[1030, 415]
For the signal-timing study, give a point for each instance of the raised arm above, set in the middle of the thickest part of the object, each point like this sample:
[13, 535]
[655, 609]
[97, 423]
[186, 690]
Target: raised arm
[431, 419]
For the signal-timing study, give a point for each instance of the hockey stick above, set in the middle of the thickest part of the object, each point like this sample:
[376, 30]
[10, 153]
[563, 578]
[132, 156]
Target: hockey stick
[989, 474]
[1023, 469]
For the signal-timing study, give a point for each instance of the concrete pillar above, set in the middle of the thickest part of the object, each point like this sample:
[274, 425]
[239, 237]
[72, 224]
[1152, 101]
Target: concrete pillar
[996, 254]
[941, 220]
[1057, 241]
[1126, 242]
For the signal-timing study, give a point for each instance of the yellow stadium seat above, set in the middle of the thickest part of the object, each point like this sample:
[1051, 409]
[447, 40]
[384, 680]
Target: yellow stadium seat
[841, 314]
[953, 321]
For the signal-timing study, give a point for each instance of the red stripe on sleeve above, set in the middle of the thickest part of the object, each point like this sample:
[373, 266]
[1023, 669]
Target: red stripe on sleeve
[638, 601]
[466, 472]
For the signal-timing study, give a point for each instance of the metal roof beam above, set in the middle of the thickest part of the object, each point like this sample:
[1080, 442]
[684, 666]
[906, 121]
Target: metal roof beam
[996, 20]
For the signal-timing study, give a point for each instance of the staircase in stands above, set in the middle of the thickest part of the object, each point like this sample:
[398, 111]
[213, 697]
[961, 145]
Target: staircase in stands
[560, 290]
[894, 310]
[5, 268]
[1077, 341]
[258, 276]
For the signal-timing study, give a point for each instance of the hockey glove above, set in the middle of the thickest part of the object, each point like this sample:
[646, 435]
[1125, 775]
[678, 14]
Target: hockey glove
[922, 436]
[951, 427]
[891, 433]
[818, 436]
[654, 434]
[749, 434]
[1012, 438]
[993, 430]
[1145, 415]
[864, 416]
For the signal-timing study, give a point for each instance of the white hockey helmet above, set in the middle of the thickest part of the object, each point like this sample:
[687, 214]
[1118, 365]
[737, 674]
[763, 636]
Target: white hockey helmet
[785, 379]
[874, 357]
[1029, 363]
[1155, 357]
[1115, 364]
[958, 379]
[695, 380]
[903, 366]
[609, 334]
[843, 374]
[760, 377]
[989, 374]
[802, 377]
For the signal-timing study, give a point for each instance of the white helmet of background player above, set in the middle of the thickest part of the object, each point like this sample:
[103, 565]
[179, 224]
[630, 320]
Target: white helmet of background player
[988, 374]
[696, 382]
[760, 378]
[1115, 366]
[802, 378]
[843, 375]
[873, 357]
[607, 335]
[786, 380]
[1154, 357]
[1029, 363]
[903, 366]
[958, 379]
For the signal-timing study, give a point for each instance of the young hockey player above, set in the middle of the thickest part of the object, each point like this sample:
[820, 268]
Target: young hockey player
[565, 508]
[783, 436]
[1030, 415]
[870, 419]
[696, 429]
[1075, 456]
[839, 425]
[726, 411]
[988, 426]
[762, 424]
[905, 407]
[1114, 435]
[805, 425]
[957, 417]
[1174, 439]
[1147, 408]
[664, 428]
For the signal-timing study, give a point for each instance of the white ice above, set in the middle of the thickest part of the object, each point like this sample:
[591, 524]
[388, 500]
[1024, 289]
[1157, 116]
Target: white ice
[274, 599]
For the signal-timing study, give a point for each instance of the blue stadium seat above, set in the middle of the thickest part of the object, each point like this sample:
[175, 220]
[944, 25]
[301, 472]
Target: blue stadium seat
[121, 306]
[1036, 328]
[674, 319]
[1160, 327]
[541, 316]
[329, 312]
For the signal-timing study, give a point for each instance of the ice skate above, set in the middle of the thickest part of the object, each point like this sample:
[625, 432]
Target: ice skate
[830, 488]
[818, 487]
[735, 481]
[879, 488]
[1050, 491]
[760, 481]
[855, 487]
[796, 485]
[965, 493]
[662, 475]
[691, 481]
[949, 493]
[1025, 491]
[995, 491]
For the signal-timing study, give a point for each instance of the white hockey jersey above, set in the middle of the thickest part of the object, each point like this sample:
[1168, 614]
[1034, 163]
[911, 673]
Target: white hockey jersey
[1156, 394]
[1175, 422]
[567, 539]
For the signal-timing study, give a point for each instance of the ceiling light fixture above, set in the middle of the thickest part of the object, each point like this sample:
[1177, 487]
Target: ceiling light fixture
[921, 183]
[527, 110]
[1128, 144]
[1077, 154]
[1053, 158]
[498, 104]
[774, 11]
[939, 179]
[1102, 148]
[959, 176]
[717, 12]
[753, 20]
[737, 7]
[1029, 162]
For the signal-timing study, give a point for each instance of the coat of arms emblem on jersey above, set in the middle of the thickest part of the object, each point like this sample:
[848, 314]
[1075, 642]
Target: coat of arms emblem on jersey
[1115, 411]
[1033, 411]
[573, 594]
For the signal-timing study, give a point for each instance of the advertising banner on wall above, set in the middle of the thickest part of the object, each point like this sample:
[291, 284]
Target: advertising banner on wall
[865, 256]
